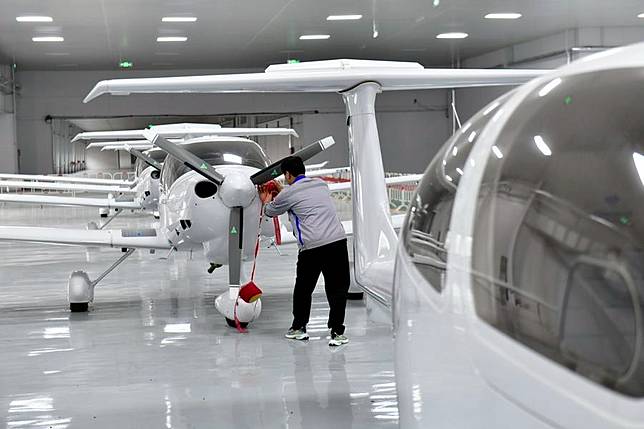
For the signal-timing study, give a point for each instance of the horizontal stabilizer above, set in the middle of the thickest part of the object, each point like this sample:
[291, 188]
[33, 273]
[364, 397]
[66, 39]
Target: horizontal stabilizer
[289, 238]
[133, 238]
[320, 76]
[398, 180]
[51, 200]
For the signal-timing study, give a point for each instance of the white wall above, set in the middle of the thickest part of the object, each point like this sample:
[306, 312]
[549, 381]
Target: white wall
[102, 160]
[8, 150]
[406, 124]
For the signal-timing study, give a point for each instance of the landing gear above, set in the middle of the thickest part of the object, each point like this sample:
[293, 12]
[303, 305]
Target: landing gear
[78, 307]
[80, 288]
[246, 312]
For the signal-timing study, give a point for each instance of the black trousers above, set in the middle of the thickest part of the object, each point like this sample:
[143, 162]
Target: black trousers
[332, 260]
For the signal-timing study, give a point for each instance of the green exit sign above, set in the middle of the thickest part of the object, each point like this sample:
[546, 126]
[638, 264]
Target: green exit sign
[125, 64]
[293, 61]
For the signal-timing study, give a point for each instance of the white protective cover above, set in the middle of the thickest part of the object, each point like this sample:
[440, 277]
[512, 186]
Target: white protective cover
[64, 179]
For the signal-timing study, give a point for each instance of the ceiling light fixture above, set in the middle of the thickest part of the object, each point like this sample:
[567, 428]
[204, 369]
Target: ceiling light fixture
[497, 152]
[34, 18]
[343, 17]
[503, 16]
[314, 36]
[172, 39]
[48, 39]
[455, 35]
[641, 15]
[179, 19]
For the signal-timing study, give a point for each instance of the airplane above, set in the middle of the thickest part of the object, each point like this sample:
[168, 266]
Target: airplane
[375, 242]
[143, 193]
[516, 290]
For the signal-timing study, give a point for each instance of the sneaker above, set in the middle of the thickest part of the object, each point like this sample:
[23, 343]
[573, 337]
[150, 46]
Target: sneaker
[297, 334]
[337, 339]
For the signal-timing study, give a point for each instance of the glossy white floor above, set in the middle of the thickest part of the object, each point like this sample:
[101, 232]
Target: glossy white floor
[154, 353]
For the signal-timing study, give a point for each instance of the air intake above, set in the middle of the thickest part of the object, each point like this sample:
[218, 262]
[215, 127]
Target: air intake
[205, 189]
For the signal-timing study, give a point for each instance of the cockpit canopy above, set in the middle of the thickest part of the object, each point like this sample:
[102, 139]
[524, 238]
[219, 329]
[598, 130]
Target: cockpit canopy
[215, 151]
[558, 243]
[156, 154]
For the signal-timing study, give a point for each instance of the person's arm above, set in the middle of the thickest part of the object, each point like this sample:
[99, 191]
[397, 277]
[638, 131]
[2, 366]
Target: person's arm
[279, 205]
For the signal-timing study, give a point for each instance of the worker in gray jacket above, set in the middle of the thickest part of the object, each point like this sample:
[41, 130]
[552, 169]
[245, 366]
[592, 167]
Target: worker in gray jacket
[323, 247]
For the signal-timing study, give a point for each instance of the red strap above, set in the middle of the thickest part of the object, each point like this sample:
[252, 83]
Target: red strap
[252, 274]
[278, 230]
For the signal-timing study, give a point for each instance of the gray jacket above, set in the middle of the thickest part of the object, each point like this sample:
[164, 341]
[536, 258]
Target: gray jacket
[311, 212]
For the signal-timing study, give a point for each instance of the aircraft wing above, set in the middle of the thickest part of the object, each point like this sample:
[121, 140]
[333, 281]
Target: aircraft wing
[64, 179]
[51, 200]
[320, 76]
[398, 180]
[181, 133]
[289, 238]
[53, 186]
[121, 238]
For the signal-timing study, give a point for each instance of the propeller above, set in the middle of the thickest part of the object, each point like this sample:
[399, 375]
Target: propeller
[236, 220]
[273, 171]
[189, 159]
[143, 157]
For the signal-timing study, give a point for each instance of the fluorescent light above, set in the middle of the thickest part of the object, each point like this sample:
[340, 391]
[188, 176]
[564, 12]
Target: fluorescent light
[549, 87]
[172, 39]
[459, 171]
[452, 36]
[641, 15]
[48, 39]
[503, 16]
[455, 151]
[314, 37]
[638, 158]
[471, 137]
[179, 19]
[34, 18]
[542, 146]
[497, 152]
[343, 17]
[449, 178]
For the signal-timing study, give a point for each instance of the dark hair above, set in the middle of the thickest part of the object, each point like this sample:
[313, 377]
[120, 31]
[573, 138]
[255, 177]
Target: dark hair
[294, 165]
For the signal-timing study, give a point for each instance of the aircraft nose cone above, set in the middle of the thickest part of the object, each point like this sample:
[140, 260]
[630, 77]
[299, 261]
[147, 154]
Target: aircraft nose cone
[237, 190]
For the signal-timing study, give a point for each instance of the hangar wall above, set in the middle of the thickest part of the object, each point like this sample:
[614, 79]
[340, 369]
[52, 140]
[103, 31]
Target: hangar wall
[547, 52]
[412, 124]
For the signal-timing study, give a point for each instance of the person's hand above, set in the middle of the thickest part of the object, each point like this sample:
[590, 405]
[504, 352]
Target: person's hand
[265, 196]
[279, 186]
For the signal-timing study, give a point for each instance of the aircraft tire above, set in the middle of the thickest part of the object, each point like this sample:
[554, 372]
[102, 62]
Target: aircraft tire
[231, 323]
[78, 307]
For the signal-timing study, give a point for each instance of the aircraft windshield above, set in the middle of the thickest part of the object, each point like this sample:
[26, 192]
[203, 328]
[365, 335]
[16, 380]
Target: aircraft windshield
[156, 154]
[558, 244]
[430, 213]
[217, 152]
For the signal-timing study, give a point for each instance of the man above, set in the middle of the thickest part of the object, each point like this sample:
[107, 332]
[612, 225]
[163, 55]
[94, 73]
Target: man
[323, 247]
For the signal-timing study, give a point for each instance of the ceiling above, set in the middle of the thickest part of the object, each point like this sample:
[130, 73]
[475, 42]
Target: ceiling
[255, 33]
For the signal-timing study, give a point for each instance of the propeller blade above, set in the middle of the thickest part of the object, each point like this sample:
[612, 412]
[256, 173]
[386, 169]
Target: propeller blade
[235, 241]
[189, 159]
[143, 157]
[273, 171]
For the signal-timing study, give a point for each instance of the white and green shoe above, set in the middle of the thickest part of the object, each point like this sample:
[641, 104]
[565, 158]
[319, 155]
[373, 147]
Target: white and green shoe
[337, 339]
[297, 334]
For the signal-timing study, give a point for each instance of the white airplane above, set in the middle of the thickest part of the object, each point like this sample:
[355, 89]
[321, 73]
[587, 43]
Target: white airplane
[518, 289]
[143, 193]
